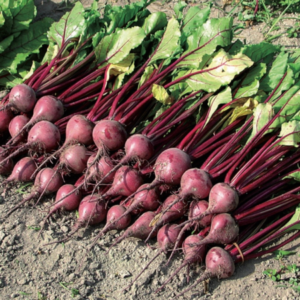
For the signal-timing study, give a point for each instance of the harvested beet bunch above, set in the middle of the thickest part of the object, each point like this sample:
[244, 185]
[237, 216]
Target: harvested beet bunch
[165, 129]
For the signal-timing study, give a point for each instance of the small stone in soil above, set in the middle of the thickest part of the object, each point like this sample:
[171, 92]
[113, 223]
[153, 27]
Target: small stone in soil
[2, 236]
[124, 273]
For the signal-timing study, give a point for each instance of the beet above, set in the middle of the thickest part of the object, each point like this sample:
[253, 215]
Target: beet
[218, 263]
[192, 255]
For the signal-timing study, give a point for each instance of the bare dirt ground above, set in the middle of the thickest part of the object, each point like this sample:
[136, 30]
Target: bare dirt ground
[30, 271]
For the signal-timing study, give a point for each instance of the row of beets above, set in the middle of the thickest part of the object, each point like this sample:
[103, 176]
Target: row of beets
[94, 152]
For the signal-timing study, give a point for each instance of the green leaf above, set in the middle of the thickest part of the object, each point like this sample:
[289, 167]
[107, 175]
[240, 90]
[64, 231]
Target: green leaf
[221, 98]
[283, 253]
[115, 47]
[35, 65]
[214, 33]
[194, 18]
[154, 22]
[23, 46]
[146, 75]
[220, 71]
[263, 113]
[4, 44]
[119, 16]
[2, 19]
[275, 74]
[9, 80]
[52, 51]
[71, 25]
[290, 105]
[23, 13]
[286, 83]
[168, 43]
[291, 131]
[250, 85]
[178, 9]
[161, 95]
[235, 48]
[296, 216]
[259, 51]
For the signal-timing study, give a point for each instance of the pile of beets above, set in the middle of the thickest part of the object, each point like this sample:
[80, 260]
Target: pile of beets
[192, 178]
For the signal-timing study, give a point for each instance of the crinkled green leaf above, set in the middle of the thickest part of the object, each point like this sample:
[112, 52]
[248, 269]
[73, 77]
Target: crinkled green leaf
[154, 22]
[181, 88]
[235, 48]
[290, 105]
[276, 72]
[161, 95]
[213, 33]
[4, 44]
[168, 43]
[259, 51]
[138, 19]
[120, 15]
[71, 25]
[194, 18]
[295, 67]
[221, 70]
[23, 46]
[262, 114]
[178, 9]
[23, 13]
[250, 84]
[34, 66]
[286, 83]
[9, 80]
[291, 133]
[98, 37]
[6, 28]
[2, 19]
[115, 47]
[221, 98]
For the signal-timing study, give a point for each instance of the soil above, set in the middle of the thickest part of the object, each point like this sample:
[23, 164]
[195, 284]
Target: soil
[29, 270]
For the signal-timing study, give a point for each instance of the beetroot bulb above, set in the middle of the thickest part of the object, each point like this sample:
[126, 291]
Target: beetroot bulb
[114, 221]
[196, 208]
[6, 167]
[42, 137]
[137, 147]
[47, 108]
[145, 200]
[218, 263]
[108, 136]
[91, 212]
[222, 199]
[69, 203]
[22, 98]
[94, 173]
[170, 165]
[223, 230]
[15, 126]
[6, 116]
[22, 170]
[192, 255]
[174, 213]
[126, 181]
[45, 183]
[166, 238]
[78, 131]
[139, 229]
[194, 184]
